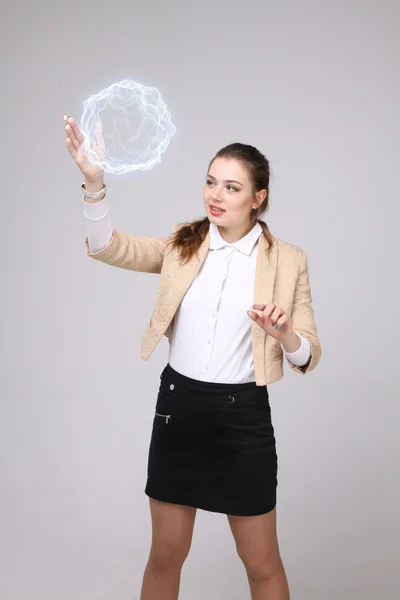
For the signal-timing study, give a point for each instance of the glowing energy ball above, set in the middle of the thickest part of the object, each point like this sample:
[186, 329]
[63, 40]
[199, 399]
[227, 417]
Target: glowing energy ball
[134, 124]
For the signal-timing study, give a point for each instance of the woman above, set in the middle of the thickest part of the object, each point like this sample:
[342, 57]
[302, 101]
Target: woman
[213, 444]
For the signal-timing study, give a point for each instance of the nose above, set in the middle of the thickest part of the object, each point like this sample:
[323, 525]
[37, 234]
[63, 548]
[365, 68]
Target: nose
[216, 197]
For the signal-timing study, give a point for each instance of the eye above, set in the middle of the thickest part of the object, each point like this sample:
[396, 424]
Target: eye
[232, 188]
[209, 182]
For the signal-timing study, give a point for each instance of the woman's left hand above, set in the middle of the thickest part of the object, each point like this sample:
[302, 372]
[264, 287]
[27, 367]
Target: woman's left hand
[273, 321]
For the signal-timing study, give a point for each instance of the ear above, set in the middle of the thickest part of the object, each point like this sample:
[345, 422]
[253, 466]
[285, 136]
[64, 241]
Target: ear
[260, 197]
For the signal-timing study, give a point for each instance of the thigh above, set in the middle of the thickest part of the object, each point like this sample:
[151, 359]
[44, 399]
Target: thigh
[172, 528]
[256, 537]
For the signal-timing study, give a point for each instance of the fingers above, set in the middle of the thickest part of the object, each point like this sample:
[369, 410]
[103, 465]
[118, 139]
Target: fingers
[71, 134]
[73, 131]
[281, 321]
[99, 132]
[71, 148]
[270, 312]
[260, 306]
[76, 129]
[276, 313]
[100, 138]
[255, 317]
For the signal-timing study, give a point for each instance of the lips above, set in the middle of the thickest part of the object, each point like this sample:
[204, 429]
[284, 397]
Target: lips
[216, 208]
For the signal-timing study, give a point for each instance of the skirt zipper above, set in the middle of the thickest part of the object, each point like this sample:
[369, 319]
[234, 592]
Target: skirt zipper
[167, 417]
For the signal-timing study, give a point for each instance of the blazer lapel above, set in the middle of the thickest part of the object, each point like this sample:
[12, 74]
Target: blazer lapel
[177, 284]
[264, 283]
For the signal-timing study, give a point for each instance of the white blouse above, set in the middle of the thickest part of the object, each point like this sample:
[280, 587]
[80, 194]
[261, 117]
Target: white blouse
[211, 337]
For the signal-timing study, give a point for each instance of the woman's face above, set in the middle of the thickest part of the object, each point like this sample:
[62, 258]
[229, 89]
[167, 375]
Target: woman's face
[229, 188]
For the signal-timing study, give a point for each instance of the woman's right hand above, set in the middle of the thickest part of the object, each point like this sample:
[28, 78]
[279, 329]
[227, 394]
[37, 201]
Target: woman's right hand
[74, 142]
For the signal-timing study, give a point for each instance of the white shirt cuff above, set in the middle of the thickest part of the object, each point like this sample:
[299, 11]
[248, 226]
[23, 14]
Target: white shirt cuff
[97, 210]
[98, 224]
[301, 356]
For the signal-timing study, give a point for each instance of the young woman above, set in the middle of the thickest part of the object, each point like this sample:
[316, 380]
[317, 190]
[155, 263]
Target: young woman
[233, 301]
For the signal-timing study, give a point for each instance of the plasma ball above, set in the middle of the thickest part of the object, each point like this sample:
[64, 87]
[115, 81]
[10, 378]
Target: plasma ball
[134, 125]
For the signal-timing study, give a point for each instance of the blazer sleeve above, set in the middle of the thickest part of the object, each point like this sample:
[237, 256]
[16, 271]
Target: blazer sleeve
[132, 252]
[303, 317]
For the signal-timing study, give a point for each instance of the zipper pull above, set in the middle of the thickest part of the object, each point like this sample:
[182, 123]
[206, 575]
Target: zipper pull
[166, 417]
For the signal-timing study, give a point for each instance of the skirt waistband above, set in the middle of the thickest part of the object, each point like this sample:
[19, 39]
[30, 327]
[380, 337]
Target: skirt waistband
[171, 377]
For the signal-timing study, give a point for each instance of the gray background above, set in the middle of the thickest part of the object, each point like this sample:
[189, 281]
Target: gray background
[314, 85]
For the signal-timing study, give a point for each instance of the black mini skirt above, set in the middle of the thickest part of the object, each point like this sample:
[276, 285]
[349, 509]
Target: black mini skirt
[212, 446]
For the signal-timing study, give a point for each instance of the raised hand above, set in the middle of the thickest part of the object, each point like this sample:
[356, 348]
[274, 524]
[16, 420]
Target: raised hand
[273, 321]
[74, 142]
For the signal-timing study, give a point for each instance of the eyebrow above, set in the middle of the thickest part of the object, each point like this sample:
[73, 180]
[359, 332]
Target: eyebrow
[226, 180]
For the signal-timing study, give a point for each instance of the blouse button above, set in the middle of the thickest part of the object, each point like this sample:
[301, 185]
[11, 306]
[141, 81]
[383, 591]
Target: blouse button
[171, 387]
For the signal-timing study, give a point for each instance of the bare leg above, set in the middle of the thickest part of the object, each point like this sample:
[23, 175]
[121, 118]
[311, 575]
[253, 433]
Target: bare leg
[171, 540]
[257, 546]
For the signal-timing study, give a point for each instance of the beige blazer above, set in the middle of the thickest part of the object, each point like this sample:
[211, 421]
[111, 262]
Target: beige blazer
[281, 278]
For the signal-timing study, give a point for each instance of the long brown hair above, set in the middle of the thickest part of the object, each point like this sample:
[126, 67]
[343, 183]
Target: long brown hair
[191, 235]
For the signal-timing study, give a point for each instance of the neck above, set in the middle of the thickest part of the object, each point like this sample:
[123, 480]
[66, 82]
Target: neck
[234, 234]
